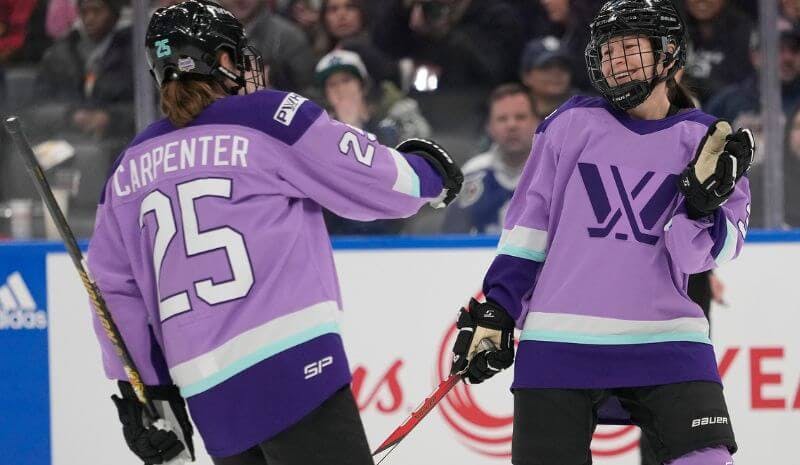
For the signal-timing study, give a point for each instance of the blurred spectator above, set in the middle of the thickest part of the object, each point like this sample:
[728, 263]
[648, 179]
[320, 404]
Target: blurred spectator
[61, 16]
[85, 81]
[345, 25]
[491, 177]
[568, 20]
[362, 102]
[14, 18]
[791, 171]
[84, 91]
[2, 88]
[284, 47]
[790, 11]
[305, 14]
[377, 108]
[745, 97]
[546, 71]
[454, 43]
[718, 57]
[791, 174]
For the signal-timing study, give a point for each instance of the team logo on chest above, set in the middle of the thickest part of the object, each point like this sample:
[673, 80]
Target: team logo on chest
[612, 201]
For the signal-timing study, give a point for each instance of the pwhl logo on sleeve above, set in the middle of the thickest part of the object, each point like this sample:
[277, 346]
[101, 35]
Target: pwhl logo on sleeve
[18, 310]
[641, 222]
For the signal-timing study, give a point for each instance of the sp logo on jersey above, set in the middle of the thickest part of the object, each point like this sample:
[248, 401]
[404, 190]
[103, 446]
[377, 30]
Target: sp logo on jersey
[313, 369]
[645, 219]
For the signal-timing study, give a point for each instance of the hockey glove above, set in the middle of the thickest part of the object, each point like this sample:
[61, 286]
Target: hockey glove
[722, 159]
[440, 160]
[151, 443]
[473, 359]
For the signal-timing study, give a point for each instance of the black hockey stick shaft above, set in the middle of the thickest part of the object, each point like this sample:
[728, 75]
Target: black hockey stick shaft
[25, 151]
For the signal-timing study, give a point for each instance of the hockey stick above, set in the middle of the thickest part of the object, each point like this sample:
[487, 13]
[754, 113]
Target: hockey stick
[43, 187]
[425, 408]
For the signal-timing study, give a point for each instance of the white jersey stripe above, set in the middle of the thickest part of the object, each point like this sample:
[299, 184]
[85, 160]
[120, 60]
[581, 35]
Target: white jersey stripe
[201, 372]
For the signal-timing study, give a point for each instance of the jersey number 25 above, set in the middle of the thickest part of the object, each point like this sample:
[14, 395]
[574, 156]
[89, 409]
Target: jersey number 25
[197, 243]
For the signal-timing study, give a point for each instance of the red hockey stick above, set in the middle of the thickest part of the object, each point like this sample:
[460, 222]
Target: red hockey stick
[427, 405]
[420, 413]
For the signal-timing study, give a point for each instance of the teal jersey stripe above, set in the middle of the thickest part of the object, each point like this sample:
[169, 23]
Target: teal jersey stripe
[521, 252]
[415, 189]
[613, 339]
[258, 356]
[729, 247]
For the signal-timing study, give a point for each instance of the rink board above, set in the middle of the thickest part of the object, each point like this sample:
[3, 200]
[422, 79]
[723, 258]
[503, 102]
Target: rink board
[400, 297]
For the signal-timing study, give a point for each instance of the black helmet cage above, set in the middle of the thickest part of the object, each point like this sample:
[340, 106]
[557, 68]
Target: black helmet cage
[183, 42]
[656, 20]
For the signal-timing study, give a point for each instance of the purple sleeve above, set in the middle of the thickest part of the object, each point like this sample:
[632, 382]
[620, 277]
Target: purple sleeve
[350, 173]
[508, 281]
[523, 243]
[114, 276]
[700, 245]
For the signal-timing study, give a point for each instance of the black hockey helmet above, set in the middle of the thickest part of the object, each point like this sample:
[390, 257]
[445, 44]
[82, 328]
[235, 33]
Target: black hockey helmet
[657, 20]
[183, 40]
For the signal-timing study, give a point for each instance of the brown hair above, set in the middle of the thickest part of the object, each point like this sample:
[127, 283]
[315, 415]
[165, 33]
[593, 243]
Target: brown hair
[679, 95]
[507, 90]
[183, 100]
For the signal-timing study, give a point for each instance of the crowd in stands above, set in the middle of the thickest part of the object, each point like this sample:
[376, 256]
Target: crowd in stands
[476, 75]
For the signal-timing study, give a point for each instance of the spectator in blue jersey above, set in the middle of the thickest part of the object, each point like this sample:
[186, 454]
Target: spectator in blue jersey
[744, 98]
[284, 48]
[464, 43]
[719, 57]
[355, 98]
[491, 177]
[546, 71]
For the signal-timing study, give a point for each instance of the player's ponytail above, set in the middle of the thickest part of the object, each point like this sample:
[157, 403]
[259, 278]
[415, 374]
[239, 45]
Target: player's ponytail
[183, 100]
[679, 95]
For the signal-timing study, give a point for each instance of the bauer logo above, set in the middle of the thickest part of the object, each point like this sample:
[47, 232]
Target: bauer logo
[709, 421]
[18, 309]
[288, 108]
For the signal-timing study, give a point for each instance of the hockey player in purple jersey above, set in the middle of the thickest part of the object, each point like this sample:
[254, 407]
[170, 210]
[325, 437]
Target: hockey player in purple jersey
[212, 253]
[622, 198]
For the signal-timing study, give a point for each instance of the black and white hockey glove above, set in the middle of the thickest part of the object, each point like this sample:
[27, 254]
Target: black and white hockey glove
[722, 158]
[440, 160]
[154, 444]
[485, 342]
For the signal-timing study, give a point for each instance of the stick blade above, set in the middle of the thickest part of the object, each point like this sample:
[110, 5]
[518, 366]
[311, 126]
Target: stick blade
[417, 415]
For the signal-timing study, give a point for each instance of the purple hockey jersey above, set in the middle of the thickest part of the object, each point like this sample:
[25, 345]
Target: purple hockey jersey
[211, 251]
[596, 251]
